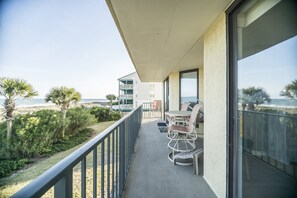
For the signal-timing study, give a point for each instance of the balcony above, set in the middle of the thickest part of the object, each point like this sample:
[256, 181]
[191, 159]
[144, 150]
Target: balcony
[115, 153]
[126, 86]
[153, 174]
[126, 106]
[126, 96]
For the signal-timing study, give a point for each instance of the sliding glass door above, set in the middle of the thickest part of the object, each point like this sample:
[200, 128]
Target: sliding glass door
[264, 35]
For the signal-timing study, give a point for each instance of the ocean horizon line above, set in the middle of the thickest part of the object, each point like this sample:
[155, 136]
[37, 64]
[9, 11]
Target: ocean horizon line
[40, 102]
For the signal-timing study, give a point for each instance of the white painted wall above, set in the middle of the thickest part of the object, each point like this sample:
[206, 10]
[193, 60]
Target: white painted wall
[146, 92]
[174, 91]
[215, 107]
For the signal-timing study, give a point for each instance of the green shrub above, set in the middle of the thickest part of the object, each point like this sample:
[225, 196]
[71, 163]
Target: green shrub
[34, 134]
[100, 113]
[78, 118]
[104, 114]
[115, 115]
[9, 166]
[75, 140]
[3, 143]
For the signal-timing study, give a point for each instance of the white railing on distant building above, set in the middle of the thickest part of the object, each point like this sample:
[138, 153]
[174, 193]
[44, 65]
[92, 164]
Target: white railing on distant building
[126, 106]
[126, 96]
[126, 86]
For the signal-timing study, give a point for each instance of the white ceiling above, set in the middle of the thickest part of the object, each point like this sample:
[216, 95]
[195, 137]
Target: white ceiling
[162, 36]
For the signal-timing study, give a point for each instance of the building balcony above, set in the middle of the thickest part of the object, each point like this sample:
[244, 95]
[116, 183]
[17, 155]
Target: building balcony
[126, 96]
[126, 106]
[126, 86]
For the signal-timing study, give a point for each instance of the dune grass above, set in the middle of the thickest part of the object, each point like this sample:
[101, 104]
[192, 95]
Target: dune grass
[12, 184]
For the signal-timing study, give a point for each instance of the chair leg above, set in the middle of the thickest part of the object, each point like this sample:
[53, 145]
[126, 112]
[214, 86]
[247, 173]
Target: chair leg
[196, 164]
[173, 158]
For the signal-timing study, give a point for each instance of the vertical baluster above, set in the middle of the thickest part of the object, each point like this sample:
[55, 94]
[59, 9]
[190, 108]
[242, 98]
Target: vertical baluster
[262, 124]
[275, 141]
[127, 146]
[122, 158]
[108, 166]
[117, 161]
[63, 188]
[95, 172]
[102, 169]
[128, 141]
[113, 162]
[256, 134]
[83, 177]
[285, 152]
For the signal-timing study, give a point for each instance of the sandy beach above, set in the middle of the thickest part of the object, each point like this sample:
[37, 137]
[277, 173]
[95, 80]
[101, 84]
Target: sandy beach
[30, 109]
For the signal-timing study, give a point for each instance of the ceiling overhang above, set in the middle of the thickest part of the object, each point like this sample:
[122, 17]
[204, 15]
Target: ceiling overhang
[164, 36]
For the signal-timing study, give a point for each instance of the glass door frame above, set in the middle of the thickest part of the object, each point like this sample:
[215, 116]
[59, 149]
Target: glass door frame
[232, 144]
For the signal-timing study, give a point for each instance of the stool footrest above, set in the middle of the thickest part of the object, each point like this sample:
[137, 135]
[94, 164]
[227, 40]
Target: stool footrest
[189, 154]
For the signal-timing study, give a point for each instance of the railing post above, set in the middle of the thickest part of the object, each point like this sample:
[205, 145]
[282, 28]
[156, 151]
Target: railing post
[102, 169]
[63, 188]
[83, 177]
[113, 164]
[122, 158]
[95, 172]
[108, 166]
[117, 161]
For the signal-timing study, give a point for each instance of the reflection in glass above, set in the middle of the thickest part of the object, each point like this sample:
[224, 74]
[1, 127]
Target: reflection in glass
[267, 99]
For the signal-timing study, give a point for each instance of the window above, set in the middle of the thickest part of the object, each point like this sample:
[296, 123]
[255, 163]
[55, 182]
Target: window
[166, 95]
[189, 86]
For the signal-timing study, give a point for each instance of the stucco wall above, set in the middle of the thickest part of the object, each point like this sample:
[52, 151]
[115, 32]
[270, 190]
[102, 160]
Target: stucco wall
[174, 91]
[201, 83]
[215, 107]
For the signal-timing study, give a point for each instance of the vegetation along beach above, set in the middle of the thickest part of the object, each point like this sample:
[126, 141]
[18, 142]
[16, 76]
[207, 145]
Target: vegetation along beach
[45, 129]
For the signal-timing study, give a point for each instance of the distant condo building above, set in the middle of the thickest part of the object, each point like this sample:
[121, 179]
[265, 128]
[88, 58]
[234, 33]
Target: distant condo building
[133, 92]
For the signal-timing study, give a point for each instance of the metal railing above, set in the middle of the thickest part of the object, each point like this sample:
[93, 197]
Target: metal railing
[126, 86]
[126, 106]
[114, 146]
[126, 96]
[271, 138]
[151, 111]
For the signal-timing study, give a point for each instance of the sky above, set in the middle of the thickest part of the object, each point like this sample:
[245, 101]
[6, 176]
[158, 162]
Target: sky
[271, 69]
[71, 43]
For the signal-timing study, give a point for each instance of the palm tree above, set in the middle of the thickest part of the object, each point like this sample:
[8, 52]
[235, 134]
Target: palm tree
[13, 89]
[63, 97]
[290, 90]
[110, 97]
[252, 97]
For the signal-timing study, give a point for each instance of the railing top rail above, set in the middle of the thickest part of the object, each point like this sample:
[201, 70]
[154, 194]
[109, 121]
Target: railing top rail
[46, 180]
[271, 114]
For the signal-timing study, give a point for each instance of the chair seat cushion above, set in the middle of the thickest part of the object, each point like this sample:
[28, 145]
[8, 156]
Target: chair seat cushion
[186, 129]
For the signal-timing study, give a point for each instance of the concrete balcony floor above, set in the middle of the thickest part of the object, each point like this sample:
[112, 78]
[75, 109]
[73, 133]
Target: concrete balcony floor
[152, 174]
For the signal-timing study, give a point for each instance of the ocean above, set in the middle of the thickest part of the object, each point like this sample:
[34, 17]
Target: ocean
[283, 102]
[41, 102]
[272, 103]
